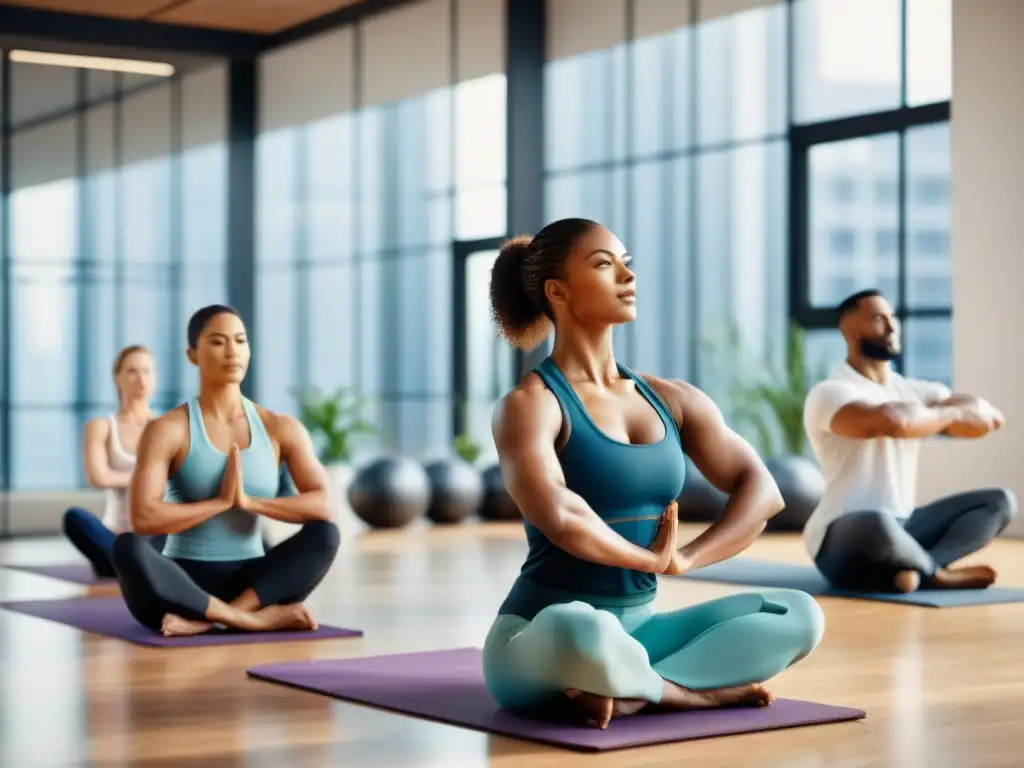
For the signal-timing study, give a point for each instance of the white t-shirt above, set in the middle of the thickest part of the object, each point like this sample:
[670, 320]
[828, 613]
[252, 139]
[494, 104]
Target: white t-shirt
[875, 474]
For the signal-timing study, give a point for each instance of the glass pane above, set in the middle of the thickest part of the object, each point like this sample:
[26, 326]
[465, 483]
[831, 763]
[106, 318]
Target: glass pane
[742, 70]
[45, 450]
[44, 221]
[328, 230]
[652, 94]
[928, 349]
[327, 217]
[204, 204]
[652, 262]
[147, 309]
[929, 51]
[273, 344]
[928, 217]
[421, 426]
[480, 131]
[480, 212]
[742, 251]
[101, 227]
[825, 349]
[580, 109]
[853, 228]
[275, 196]
[146, 201]
[334, 304]
[847, 57]
[43, 343]
[488, 359]
[681, 43]
[678, 263]
[100, 313]
[373, 340]
[587, 194]
[411, 306]
[371, 215]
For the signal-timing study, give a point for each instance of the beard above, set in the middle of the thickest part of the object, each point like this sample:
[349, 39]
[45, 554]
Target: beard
[877, 351]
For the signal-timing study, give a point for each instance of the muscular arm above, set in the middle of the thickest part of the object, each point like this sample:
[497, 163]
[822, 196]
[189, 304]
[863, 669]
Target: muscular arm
[150, 514]
[731, 465]
[309, 476]
[897, 420]
[983, 417]
[97, 460]
[525, 426]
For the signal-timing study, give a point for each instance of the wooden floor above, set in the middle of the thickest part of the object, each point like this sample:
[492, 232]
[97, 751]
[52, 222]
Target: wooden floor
[941, 687]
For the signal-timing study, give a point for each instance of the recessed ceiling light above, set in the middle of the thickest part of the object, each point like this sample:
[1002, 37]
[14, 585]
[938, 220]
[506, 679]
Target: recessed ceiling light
[155, 68]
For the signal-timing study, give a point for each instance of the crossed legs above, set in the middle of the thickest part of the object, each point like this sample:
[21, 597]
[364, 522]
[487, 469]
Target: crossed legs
[872, 551]
[95, 541]
[708, 655]
[189, 597]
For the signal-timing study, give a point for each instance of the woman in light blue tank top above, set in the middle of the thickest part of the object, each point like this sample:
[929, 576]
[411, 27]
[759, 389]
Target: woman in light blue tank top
[206, 474]
[593, 455]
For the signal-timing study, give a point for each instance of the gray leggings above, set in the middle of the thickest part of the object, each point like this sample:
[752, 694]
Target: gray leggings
[865, 550]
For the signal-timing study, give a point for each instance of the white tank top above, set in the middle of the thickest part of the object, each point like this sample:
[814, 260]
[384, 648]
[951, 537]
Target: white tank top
[115, 516]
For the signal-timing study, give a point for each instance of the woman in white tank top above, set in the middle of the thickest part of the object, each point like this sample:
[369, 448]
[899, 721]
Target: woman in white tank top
[109, 446]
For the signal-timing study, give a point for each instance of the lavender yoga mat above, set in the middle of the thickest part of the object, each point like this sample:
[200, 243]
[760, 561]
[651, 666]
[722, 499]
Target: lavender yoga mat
[448, 686]
[77, 573]
[110, 617]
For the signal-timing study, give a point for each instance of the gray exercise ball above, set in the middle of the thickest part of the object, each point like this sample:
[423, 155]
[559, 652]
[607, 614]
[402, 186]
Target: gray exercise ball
[801, 484]
[456, 490]
[700, 501]
[497, 503]
[390, 492]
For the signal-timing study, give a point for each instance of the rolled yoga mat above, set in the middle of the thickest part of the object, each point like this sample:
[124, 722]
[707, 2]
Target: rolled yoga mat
[762, 573]
[77, 573]
[109, 616]
[448, 687]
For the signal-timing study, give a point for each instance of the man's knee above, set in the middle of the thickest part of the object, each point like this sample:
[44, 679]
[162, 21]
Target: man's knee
[1004, 505]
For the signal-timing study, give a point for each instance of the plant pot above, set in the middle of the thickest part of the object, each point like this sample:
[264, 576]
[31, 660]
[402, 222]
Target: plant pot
[801, 484]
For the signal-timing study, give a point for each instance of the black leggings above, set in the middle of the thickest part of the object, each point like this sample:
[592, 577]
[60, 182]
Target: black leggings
[154, 585]
[865, 550]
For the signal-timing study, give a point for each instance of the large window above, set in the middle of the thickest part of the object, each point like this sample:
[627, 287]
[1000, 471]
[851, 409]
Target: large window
[118, 191]
[674, 138]
[871, 170]
[368, 173]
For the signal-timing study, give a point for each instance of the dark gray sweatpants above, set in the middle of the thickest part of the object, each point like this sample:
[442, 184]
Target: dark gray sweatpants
[865, 550]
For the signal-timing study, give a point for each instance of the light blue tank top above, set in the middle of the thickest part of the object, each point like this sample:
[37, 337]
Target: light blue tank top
[234, 534]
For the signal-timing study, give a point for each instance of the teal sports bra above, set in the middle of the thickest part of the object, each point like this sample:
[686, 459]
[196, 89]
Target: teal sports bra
[234, 534]
[628, 485]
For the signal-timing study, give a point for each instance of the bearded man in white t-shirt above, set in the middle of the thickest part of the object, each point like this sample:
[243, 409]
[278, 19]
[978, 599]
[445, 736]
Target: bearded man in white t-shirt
[865, 425]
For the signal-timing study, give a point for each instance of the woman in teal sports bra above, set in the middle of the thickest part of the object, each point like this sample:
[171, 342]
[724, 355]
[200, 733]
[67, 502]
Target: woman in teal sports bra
[207, 472]
[593, 455]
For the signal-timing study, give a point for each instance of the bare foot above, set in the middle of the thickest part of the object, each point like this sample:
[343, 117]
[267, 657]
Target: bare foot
[968, 577]
[907, 581]
[750, 695]
[175, 626]
[280, 617]
[601, 709]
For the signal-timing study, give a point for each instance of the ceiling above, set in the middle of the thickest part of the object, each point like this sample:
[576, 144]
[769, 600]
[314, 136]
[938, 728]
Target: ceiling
[254, 16]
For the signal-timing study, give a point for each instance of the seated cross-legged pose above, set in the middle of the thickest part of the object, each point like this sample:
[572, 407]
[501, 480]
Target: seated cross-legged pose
[865, 425]
[593, 455]
[206, 473]
[109, 444]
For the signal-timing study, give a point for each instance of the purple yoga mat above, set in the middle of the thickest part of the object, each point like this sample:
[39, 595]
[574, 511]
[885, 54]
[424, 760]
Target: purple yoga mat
[77, 573]
[110, 617]
[448, 686]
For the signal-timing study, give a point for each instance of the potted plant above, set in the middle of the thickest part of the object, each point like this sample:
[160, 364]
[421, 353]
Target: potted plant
[769, 403]
[334, 421]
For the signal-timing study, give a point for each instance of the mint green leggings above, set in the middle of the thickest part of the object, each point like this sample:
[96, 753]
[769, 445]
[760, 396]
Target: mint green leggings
[630, 652]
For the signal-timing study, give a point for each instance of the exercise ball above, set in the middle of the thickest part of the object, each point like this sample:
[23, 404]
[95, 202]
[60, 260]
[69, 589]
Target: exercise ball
[700, 501]
[801, 484]
[390, 492]
[497, 503]
[456, 490]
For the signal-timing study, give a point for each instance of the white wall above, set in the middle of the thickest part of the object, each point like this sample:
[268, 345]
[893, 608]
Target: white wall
[987, 147]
